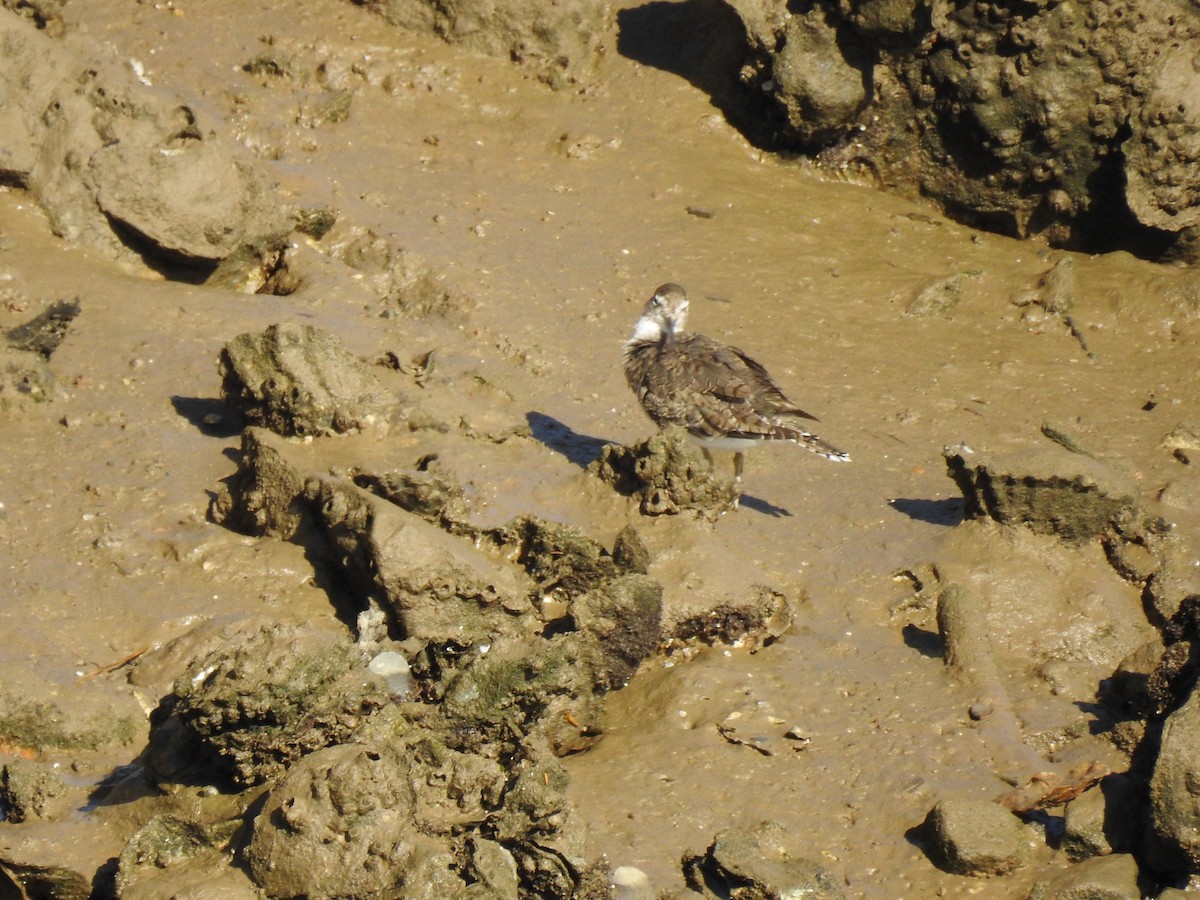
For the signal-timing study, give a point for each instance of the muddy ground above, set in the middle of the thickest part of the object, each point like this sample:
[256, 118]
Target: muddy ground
[530, 224]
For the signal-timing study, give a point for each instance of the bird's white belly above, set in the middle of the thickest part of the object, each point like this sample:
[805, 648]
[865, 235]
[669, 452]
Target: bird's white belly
[726, 443]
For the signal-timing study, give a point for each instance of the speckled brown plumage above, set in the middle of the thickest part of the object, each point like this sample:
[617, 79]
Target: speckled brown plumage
[721, 396]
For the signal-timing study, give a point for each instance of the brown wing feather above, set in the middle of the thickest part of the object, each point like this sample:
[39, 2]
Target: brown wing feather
[709, 388]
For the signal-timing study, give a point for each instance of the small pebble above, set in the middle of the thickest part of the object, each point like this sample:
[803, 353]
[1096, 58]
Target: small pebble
[394, 669]
[980, 710]
[629, 883]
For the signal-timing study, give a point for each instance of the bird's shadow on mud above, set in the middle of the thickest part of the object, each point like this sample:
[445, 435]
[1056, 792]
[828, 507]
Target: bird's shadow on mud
[935, 512]
[765, 507]
[580, 449]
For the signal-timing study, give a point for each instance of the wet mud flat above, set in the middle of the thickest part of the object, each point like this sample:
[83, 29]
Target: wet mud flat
[342, 562]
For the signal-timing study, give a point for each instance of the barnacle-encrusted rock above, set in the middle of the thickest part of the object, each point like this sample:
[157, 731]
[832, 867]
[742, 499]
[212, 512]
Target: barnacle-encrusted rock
[666, 474]
[1049, 490]
[271, 694]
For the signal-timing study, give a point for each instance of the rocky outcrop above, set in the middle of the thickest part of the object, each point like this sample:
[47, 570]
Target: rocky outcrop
[1069, 120]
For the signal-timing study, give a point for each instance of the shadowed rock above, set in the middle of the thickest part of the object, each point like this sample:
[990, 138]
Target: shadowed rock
[984, 108]
[1105, 820]
[1174, 839]
[265, 698]
[969, 836]
[760, 862]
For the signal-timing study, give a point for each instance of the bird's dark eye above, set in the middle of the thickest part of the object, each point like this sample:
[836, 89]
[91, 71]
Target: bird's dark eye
[658, 301]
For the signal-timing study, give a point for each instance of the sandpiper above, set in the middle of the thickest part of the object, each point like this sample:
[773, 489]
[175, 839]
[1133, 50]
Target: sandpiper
[724, 399]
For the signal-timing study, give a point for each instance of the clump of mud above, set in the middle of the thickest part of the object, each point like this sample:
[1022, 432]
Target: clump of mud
[666, 476]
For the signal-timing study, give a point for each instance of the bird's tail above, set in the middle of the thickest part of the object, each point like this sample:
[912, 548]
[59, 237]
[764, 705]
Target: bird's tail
[812, 443]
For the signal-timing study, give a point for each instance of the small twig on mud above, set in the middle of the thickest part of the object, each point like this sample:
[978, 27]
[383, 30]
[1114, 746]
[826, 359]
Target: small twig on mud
[730, 734]
[112, 667]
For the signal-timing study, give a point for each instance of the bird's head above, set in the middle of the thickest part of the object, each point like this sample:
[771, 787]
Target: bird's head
[664, 314]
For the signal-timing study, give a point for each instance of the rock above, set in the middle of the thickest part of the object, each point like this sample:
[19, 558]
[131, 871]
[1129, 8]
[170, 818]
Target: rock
[560, 559]
[758, 862]
[194, 200]
[1098, 878]
[623, 615]
[430, 494]
[1104, 820]
[561, 41]
[340, 823]
[32, 880]
[271, 694]
[299, 380]
[536, 804]
[963, 627]
[1049, 490]
[433, 585]
[968, 836]
[1173, 840]
[986, 110]
[629, 883]
[266, 494]
[548, 686]
[756, 618]
[1130, 682]
[494, 867]
[164, 842]
[1161, 154]
[461, 790]
[629, 553]
[123, 167]
[822, 76]
[666, 475]
[28, 789]
[1172, 678]
[1174, 580]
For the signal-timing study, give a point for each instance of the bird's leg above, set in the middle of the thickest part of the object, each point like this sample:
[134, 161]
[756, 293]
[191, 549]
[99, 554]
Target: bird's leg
[707, 456]
[739, 462]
